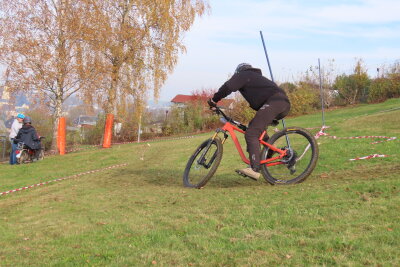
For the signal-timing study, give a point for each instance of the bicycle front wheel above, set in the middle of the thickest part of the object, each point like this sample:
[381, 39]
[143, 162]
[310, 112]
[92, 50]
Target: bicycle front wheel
[203, 163]
[300, 161]
[23, 158]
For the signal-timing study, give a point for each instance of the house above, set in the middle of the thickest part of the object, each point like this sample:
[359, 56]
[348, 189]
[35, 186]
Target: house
[85, 121]
[182, 100]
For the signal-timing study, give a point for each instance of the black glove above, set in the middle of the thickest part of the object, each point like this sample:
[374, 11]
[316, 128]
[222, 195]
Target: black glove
[211, 103]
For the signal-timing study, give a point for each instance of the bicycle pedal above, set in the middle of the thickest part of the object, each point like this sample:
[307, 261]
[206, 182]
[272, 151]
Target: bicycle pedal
[240, 173]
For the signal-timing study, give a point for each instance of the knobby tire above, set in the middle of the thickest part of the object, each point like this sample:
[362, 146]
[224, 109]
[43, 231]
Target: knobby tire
[305, 137]
[192, 164]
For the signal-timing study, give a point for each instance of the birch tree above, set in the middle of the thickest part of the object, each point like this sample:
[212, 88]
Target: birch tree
[139, 42]
[42, 48]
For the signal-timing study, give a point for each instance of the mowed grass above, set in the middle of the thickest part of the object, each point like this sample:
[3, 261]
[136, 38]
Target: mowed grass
[345, 214]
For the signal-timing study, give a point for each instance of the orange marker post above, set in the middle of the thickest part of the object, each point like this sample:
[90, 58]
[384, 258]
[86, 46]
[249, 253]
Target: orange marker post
[108, 131]
[61, 135]
[58, 135]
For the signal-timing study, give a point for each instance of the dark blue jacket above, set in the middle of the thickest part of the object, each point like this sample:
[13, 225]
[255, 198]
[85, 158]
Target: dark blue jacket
[27, 134]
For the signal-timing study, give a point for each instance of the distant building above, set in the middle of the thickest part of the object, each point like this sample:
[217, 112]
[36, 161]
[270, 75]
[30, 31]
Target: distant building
[182, 100]
[21, 109]
[85, 121]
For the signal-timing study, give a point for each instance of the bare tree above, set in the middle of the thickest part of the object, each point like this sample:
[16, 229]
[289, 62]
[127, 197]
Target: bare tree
[41, 45]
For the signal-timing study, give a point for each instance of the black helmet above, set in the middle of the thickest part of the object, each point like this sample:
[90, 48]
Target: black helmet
[242, 67]
[27, 120]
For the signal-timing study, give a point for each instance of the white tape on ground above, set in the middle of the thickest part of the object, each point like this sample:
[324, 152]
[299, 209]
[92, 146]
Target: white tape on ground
[371, 157]
[60, 179]
[323, 133]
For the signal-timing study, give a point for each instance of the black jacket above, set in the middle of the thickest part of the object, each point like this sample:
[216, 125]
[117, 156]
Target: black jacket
[27, 134]
[254, 87]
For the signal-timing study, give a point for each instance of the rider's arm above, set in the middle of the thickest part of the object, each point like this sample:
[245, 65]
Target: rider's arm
[237, 81]
[18, 137]
[35, 136]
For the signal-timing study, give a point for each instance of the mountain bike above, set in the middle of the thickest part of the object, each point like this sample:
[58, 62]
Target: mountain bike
[28, 155]
[289, 156]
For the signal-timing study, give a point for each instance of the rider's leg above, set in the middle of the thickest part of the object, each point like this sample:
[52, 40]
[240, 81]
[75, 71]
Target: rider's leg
[274, 108]
[13, 156]
[37, 153]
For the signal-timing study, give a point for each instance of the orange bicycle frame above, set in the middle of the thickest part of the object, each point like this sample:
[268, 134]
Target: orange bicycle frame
[228, 127]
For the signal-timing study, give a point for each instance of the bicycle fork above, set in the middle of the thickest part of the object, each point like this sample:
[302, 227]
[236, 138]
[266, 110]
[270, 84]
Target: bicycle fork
[202, 160]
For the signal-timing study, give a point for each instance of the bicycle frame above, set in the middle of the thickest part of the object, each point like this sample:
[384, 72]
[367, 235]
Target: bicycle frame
[228, 127]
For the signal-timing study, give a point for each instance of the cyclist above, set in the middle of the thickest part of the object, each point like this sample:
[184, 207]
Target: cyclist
[28, 135]
[265, 97]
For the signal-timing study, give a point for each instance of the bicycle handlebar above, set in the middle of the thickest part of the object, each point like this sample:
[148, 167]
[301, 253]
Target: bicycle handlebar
[238, 124]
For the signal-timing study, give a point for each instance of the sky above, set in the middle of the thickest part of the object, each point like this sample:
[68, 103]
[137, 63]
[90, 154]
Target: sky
[296, 32]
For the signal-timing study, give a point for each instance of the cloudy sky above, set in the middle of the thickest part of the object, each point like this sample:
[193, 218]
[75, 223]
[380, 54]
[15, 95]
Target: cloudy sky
[296, 32]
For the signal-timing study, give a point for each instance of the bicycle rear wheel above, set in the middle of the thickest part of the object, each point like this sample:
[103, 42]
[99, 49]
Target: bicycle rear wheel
[203, 163]
[300, 161]
[41, 155]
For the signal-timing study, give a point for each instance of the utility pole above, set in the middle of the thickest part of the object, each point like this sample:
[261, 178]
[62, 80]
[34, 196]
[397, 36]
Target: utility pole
[272, 79]
[322, 93]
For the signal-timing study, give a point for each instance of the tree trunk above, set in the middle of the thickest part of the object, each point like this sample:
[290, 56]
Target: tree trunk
[112, 92]
[354, 99]
[57, 115]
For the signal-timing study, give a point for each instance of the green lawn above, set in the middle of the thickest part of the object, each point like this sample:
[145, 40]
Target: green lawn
[347, 213]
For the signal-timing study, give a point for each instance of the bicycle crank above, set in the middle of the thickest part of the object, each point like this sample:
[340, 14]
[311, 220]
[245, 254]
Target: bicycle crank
[290, 160]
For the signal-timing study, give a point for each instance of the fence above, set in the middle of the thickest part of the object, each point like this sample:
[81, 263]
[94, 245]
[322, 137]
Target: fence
[3, 147]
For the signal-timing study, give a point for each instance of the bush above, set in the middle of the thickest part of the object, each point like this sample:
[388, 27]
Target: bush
[354, 88]
[241, 110]
[94, 135]
[303, 99]
[395, 85]
[193, 117]
[379, 90]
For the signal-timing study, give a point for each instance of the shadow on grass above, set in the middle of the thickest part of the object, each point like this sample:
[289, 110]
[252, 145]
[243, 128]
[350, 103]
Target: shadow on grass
[174, 178]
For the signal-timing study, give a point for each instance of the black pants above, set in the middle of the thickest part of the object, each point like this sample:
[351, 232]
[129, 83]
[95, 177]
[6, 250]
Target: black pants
[277, 107]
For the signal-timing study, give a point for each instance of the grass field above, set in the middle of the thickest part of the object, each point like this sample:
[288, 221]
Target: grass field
[347, 213]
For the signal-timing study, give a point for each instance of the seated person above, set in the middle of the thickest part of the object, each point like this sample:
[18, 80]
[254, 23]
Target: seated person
[28, 135]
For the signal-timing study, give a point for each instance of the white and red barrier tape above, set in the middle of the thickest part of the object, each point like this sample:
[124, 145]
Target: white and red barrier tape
[323, 133]
[371, 156]
[60, 179]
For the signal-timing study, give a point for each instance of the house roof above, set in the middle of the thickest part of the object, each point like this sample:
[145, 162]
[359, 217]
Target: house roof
[183, 98]
[190, 98]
